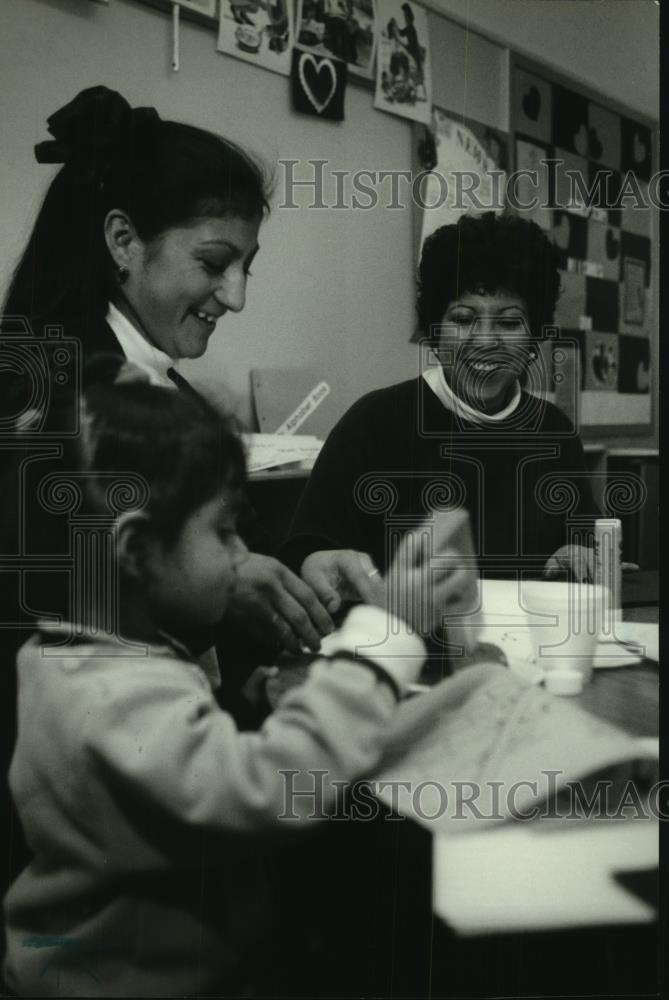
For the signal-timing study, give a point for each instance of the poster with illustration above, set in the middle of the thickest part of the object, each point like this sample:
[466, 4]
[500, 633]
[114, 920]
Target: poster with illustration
[467, 163]
[258, 31]
[339, 29]
[403, 78]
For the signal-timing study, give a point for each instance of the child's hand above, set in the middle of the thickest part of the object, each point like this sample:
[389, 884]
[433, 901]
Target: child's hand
[255, 689]
[434, 572]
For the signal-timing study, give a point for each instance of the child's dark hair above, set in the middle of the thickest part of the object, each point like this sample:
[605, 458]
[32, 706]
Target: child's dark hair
[161, 173]
[498, 253]
[179, 445]
[139, 447]
[171, 449]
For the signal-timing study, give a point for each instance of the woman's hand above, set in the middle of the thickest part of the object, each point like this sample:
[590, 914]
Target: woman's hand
[268, 597]
[576, 560]
[343, 574]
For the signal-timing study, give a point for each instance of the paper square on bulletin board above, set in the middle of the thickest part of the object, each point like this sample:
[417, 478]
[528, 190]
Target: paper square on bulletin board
[571, 304]
[532, 188]
[532, 100]
[403, 75]
[304, 399]
[570, 120]
[639, 248]
[636, 217]
[601, 303]
[341, 30]
[604, 247]
[636, 149]
[639, 306]
[570, 235]
[261, 34]
[567, 193]
[635, 365]
[600, 361]
[634, 292]
[604, 136]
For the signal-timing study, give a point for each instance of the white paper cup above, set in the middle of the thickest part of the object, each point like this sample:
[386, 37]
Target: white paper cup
[565, 620]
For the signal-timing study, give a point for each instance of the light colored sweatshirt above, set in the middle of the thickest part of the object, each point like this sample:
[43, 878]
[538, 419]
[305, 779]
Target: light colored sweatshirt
[143, 806]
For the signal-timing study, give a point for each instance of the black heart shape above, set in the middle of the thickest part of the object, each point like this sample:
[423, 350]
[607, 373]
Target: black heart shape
[612, 245]
[596, 148]
[319, 82]
[532, 103]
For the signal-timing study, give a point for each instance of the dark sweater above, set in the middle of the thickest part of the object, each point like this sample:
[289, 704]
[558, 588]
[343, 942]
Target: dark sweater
[398, 452]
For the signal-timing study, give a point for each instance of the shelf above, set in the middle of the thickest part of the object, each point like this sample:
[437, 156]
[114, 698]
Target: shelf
[272, 475]
[633, 453]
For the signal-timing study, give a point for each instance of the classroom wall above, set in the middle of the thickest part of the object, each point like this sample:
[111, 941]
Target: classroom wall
[612, 45]
[331, 289]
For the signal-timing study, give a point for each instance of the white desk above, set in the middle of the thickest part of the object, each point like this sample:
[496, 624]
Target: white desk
[555, 874]
[532, 878]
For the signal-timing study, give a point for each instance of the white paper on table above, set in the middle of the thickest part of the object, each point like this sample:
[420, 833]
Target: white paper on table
[646, 634]
[524, 878]
[267, 451]
[506, 626]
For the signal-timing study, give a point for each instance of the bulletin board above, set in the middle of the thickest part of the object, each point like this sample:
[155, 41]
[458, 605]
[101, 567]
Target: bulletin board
[606, 307]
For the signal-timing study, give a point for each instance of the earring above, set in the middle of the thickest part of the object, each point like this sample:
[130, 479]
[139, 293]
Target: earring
[123, 274]
[531, 356]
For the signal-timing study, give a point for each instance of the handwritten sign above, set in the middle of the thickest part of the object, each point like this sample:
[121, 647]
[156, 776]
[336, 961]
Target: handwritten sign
[310, 402]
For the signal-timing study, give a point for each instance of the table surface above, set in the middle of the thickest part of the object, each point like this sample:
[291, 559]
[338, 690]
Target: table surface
[641, 594]
[628, 697]
[390, 895]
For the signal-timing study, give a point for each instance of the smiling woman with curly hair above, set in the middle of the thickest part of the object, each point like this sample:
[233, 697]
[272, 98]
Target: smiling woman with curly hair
[465, 433]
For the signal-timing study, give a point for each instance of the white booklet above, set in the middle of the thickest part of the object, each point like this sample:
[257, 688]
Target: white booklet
[269, 451]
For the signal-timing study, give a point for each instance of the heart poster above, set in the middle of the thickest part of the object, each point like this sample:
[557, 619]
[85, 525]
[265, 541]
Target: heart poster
[318, 85]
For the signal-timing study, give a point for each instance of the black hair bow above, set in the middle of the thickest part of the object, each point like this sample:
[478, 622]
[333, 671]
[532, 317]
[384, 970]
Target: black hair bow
[97, 128]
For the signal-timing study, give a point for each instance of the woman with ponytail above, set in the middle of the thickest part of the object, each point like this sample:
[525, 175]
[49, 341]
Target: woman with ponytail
[143, 243]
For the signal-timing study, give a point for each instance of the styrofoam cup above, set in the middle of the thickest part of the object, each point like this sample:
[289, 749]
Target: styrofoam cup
[565, 620]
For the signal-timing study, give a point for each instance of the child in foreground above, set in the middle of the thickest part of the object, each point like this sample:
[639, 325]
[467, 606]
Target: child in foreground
[139, 798]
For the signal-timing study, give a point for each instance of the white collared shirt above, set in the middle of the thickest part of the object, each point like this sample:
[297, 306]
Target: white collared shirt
[436, 380]
[139, 351]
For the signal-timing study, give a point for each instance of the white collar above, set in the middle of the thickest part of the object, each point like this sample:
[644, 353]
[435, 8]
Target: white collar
[436, 380]
[138, 350]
